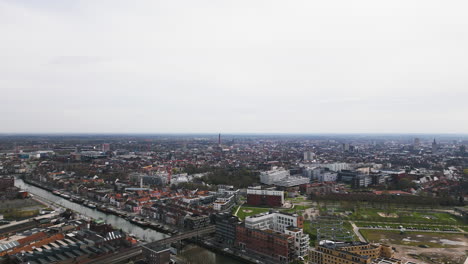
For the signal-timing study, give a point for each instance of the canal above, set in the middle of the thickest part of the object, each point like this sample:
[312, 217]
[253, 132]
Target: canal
[191, 253]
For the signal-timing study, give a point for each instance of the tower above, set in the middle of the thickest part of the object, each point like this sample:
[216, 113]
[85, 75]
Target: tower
[219, 139]
[434, 147]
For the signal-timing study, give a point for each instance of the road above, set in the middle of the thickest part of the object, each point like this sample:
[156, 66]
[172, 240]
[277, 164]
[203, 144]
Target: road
[356, 231]
[118, 257]
[13, 223]
[409, 230]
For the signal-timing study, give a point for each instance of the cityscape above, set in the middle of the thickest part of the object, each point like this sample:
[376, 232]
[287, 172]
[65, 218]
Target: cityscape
[233, 132]
[231, 198]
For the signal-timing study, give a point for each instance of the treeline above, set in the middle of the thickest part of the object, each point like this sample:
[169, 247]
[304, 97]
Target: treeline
[396, 199]
[239, 177]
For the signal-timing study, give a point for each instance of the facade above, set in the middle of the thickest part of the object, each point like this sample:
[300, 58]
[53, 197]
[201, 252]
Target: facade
[6, 182]
[274, 246]
[157, 255]
[226, 226]
[308, 156]
[312, 172]
[105, 147]
[224, 203]
[291, 181]
[337, 166]
[196, 221]
[330, 252]
[274, 175]
[301, 241]
[318, 188]
[265, 197]
[290, 224]
[328, 177]
[362, 181]
[435, 148]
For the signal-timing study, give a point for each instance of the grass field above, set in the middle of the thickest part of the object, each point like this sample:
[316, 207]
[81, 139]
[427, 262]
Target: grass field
[248, 211]
[398, 216]
[297, 209]
[408, 227]
[427, 239]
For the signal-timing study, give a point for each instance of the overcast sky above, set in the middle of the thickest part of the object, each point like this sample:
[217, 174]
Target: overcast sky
[234, 66]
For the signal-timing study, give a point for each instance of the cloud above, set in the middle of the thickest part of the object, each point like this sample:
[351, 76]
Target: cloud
[233, 66]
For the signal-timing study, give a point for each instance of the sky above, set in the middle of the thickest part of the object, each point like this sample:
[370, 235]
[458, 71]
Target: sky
[240, 66]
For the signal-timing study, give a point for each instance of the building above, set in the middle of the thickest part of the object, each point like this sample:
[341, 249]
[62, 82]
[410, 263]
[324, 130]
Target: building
[362, 181]
[337, 166]
[434, 147]
[301, 241]
[224, 203]
[291, 181]
[331, 252]
[328, 177]
[6, 182]
[347, 176]
[144, 179]
[157, 255]
[105, 147]
[308, 156]
[193, 222]
[274, 220]
[226, 226]
[265, 197]
[274, 246]
[290, 224]
[312, 172]
[318, 188]
[274, 175]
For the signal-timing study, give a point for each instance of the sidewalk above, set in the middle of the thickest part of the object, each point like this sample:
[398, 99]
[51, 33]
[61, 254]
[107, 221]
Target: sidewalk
[356, 231]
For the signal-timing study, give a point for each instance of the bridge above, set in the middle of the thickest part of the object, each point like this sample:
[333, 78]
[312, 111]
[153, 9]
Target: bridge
[193, 233]
[136, 252]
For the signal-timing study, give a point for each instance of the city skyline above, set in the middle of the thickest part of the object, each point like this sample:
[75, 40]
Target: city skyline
[235, 67]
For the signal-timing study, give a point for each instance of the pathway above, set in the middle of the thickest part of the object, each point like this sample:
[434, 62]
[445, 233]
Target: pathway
[356, 231]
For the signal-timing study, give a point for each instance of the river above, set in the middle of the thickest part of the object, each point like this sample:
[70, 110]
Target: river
[192, 253]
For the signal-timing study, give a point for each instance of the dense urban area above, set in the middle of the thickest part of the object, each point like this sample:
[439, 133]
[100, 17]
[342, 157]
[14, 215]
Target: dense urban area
[317, 199]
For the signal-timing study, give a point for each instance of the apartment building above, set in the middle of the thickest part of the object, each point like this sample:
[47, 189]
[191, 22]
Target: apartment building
[271, 198]
[290, 224]
[331, 252]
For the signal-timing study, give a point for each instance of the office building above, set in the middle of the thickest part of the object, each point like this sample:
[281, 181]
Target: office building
[331, 252]
[274, 175]
[265, 197]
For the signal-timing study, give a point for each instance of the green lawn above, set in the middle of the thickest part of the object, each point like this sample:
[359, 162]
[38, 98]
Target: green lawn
[308, 229]
[407, 226]
[297, 209]
[398, 216]
[248, 211]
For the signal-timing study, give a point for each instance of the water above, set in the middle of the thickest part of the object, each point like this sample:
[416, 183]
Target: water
[192, 253]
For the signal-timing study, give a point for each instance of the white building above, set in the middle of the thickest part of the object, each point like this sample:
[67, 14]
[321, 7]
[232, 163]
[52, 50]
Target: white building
[328, 177]
[284, 223]
[292, 181]
[337, 166]
[274, 175]
[312, 173]
[301, 241]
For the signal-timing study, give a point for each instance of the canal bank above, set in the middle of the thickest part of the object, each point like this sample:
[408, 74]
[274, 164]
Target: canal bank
[148, 235]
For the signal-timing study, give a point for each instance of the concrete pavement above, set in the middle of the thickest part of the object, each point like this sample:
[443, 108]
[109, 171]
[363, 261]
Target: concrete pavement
[356, 231]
